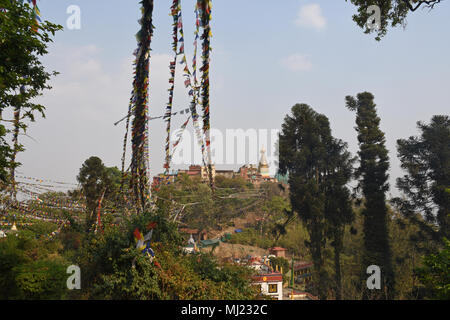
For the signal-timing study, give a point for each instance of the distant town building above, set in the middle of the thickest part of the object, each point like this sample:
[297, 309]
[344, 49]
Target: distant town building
[278, 252]
[270, 284]
[263, 167]
[303, 274]
[250, 173]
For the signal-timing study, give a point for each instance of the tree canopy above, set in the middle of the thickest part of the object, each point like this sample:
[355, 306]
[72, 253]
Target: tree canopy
[319, 167]
[373, 182]
[426, 160]
[393, 13]
[22, 75]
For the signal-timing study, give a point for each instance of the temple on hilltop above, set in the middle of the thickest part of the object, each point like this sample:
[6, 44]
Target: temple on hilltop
[255, 174]
[263, 167]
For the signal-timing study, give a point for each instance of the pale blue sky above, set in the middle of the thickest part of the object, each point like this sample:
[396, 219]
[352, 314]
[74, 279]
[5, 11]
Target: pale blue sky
[267, 57]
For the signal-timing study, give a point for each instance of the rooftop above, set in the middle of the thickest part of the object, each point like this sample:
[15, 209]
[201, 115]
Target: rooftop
[277, 249]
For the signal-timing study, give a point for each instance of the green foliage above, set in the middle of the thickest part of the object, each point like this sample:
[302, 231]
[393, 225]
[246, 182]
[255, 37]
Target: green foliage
[22, 75]
[372, 175]
[319, 166]
[116, 270]
[252, 237]
[280, 263]
[203, 209]
[42, 279]
[426, 160]
[31, 268]
[40, 228]
[10, 256]
[393, 13]
[435, 274]
[95, 181]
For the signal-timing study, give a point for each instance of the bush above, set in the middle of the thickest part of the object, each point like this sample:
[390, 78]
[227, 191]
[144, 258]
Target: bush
[42, 279]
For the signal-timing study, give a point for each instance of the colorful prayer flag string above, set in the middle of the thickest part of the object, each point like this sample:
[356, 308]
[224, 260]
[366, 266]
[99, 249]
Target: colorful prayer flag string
[140, 160]
[176, 15]
[205, 18]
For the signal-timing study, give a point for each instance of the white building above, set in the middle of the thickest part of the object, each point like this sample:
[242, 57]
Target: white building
[270, 284]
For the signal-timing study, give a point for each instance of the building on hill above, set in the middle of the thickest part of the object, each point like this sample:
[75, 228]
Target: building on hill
[303, 274]
[270, 284]
[198, 171]
[229, 174]
[278, 252]
[255, 174]
[263, 166]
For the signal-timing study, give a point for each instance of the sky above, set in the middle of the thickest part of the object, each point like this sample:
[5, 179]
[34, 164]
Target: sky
[267, 56]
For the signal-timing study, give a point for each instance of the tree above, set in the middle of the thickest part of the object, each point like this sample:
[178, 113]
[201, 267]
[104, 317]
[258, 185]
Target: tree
[434, 274]
[22, 75]
[426, 160]
[304, 144]
[372, 180]
[26, 269]
[338, 206]
[95, 182]
[113, 192]
[393, 13]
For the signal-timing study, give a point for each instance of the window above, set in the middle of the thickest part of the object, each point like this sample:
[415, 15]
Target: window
[273, 288]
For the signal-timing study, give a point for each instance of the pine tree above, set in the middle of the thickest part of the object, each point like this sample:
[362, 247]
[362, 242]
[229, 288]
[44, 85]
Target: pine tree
[426, 160]
[319, 166]
[372, 177]
[303, 155]
[338, 206]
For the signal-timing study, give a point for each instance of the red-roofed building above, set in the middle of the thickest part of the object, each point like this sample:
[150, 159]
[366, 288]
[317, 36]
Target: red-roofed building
[270, 284]
[278, 252]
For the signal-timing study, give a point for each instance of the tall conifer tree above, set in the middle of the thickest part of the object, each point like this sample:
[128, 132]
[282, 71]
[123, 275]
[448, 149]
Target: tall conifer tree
[372, 175]
[319, 166]
[426, 184]
[338, 206]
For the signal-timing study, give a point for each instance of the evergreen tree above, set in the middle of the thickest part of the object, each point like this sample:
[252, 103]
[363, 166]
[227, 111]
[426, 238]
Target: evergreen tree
[303, 154]
[338, 206]
[314, 159]
[372, 175]
[426, 160]
[95, 182]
